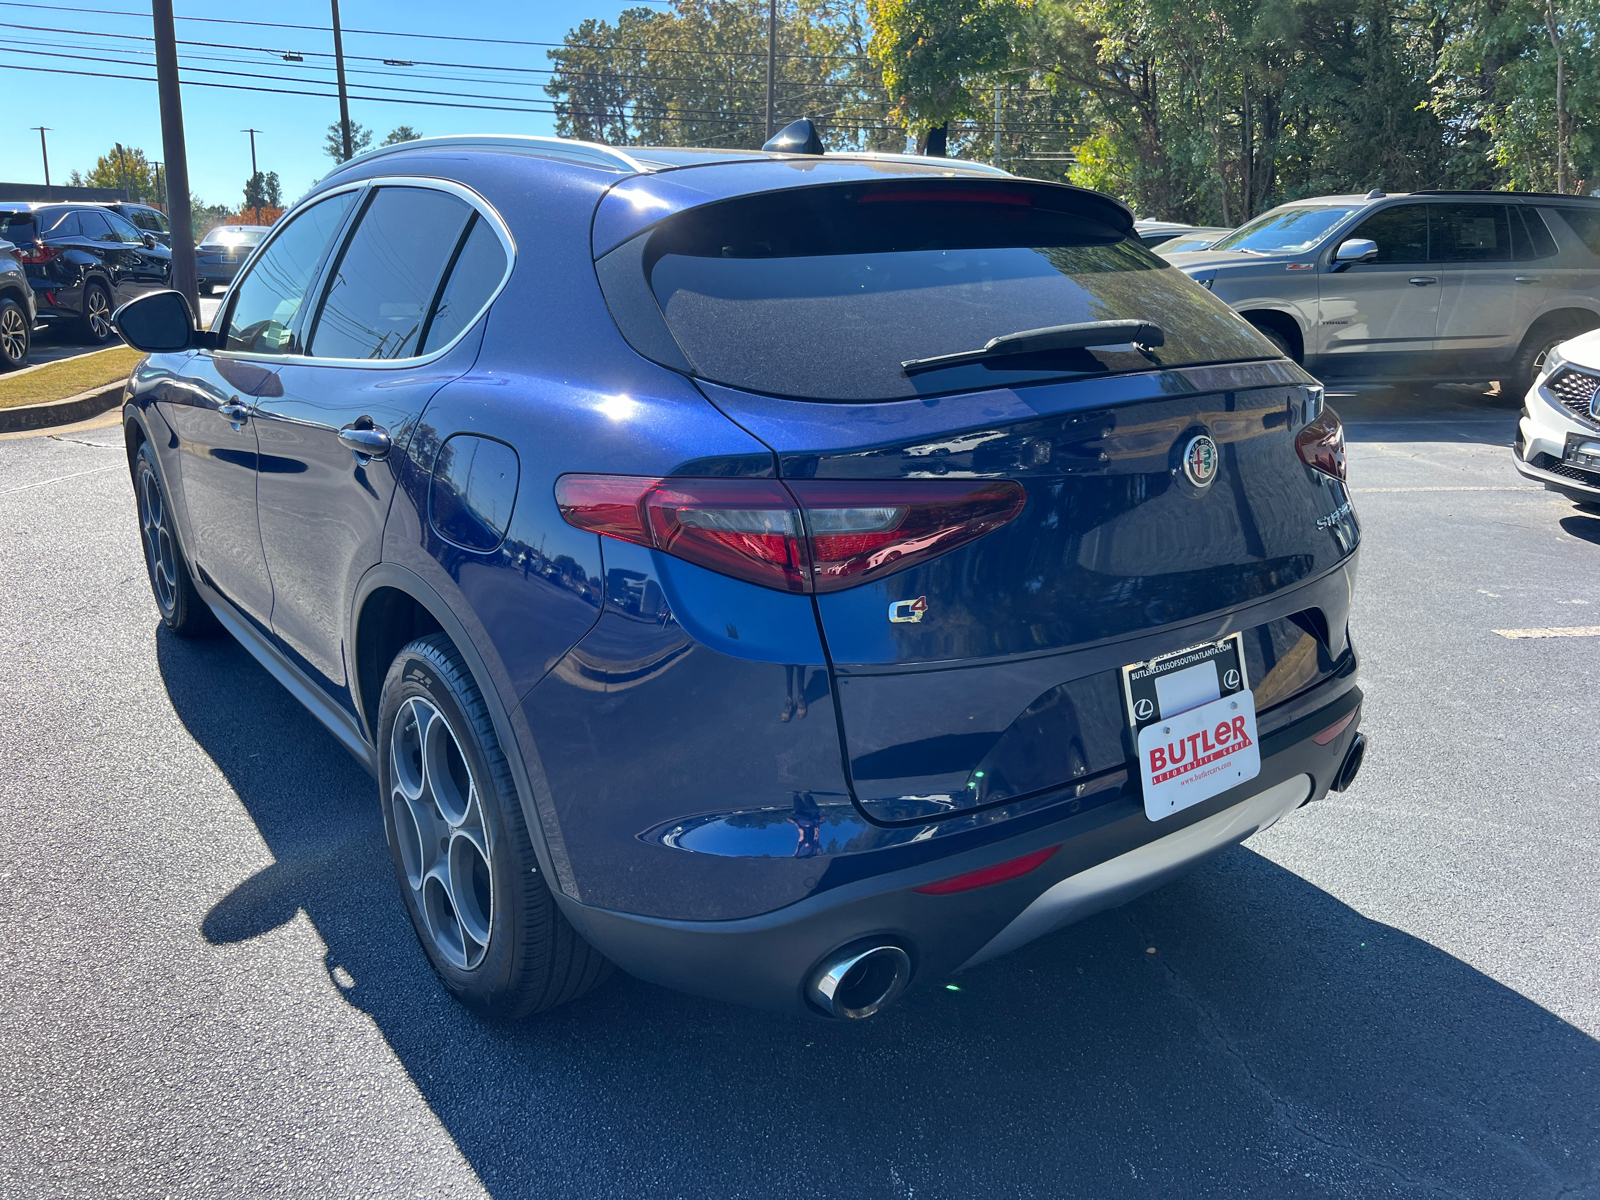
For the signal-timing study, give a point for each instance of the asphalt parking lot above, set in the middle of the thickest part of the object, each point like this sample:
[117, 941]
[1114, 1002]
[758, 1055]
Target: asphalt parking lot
[209, 987]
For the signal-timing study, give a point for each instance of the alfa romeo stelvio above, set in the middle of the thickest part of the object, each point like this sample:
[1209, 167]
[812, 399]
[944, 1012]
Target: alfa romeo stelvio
[787, 576]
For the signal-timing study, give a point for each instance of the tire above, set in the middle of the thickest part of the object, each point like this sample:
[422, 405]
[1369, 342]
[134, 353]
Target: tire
[1277, 339]
[182, 610]
[479, 903]
[16, 338]
[94, 325]
[1538, 343]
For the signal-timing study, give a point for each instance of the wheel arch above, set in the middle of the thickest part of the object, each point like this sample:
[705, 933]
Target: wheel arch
[1281, 322]
[1566, 315]
[389, 600]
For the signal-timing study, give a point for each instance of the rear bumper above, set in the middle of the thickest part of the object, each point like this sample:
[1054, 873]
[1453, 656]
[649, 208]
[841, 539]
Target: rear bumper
[1107, 856]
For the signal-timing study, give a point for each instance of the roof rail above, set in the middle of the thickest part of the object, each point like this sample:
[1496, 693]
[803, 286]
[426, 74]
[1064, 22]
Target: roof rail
[1500, 193]
[590, 154]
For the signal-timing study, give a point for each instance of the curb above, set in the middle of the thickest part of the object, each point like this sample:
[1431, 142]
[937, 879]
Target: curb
[62, 412]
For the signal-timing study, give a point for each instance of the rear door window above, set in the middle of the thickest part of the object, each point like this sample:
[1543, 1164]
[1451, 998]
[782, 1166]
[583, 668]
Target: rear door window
[261, 319]
[1468, 233]
[124, 229]
[478, 270]
[95, 227]
[824, 293]
[383, 286]
[1401, 233]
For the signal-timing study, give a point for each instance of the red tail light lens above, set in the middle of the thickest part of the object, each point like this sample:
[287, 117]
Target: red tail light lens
[861, 531]
[753, 529]
[1321, 445]
[38, 253]
[999, 873]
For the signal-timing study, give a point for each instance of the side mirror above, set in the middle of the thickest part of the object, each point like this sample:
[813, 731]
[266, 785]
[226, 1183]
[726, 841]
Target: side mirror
[150, 242]
[1356, 250]
[157, 323]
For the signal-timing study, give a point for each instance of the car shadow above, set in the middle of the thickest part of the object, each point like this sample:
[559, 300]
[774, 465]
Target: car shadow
[1237, 1033]
[1427, 413]
[1585, 527]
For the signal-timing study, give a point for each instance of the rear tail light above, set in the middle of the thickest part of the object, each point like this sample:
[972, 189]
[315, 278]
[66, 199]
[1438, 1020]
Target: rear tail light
[806, 536]
[999, 873]
[38, 253]
[1321, 445]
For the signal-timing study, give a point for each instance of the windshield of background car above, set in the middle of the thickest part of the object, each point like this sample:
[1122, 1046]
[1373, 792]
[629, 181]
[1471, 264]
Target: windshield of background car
[1284, 230]
[823, 293]
[227, 238]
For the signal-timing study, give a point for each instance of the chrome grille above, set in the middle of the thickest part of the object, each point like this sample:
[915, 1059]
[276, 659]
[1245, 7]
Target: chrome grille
[1575, 392]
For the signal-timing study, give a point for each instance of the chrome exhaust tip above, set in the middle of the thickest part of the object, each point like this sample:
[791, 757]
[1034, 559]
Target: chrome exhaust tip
[1351, 766]
[855, 983]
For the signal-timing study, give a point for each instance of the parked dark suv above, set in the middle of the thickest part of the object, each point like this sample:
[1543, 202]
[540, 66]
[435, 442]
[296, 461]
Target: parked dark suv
[145, 219]
[83, 262]
[782, 575]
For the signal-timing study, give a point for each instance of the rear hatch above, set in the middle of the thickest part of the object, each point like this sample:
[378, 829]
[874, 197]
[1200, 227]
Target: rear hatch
[991, 673]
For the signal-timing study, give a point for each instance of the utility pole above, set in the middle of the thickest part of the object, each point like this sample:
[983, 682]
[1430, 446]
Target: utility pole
[994, 158]
[255, 210]
[772, 68]
[344, 97]
[184, 279]
[44, 150]
[161, 192]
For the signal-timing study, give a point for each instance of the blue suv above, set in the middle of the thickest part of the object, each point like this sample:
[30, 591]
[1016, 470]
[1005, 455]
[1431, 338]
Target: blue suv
[786, 576]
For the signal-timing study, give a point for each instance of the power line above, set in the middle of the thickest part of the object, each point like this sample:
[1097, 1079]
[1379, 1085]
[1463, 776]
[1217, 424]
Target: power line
[440, 37]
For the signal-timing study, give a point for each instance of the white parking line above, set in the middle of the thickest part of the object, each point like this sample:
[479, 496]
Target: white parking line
[59, 478]
[1509, 487]
[1569, 631]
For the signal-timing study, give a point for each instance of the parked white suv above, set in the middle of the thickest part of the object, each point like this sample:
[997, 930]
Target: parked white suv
[1435, 286]
[1558, 438]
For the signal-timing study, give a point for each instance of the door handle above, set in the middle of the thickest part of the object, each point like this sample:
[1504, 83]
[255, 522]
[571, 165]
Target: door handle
[1424, 280]
[234, 411]
[371, 441]
[1530, 278]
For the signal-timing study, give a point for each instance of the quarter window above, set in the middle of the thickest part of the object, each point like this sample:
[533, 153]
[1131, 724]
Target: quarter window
[261, 318]
[1468, 233]
[478, 270]
[1401, 233]
[383, 286]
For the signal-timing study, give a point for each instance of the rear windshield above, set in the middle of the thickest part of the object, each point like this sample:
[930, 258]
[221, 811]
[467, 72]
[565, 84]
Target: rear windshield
[224, 235]
[823, 293]
[17, 226]
[1284, 231]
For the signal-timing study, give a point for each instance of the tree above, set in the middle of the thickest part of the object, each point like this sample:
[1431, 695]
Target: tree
[696, 75]
[360, 139]
[122, 167]
[935, 56]
[400, 133]
[263, 190]
[204, 217]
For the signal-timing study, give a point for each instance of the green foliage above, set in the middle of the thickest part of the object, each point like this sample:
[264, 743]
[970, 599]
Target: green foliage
[695, 75]
[400, 133]
[936, 53]
[360, 139]
[123, 167]
[262, 190]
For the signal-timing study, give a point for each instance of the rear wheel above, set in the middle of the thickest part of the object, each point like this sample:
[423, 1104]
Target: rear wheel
[1536, 346]
[461, 851]
[1276, 337]
[181, 608]
[15, 336]
[94, 326]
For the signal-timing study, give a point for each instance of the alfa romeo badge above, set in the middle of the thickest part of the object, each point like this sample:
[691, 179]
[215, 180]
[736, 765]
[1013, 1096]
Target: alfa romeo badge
[1200, 461]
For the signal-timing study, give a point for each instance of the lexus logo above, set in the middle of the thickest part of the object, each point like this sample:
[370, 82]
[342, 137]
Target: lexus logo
[1231, 679]
[1144, 710]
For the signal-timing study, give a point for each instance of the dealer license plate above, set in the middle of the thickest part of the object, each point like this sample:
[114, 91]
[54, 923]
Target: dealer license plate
[1194, 720]
[1582, 450]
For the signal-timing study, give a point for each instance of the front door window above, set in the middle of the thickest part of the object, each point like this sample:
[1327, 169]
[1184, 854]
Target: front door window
[261, 318]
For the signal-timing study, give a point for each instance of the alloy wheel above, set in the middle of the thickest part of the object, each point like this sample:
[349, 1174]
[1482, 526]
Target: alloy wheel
[443, 840]
[159, 549]
[13, 334]
[99, 313]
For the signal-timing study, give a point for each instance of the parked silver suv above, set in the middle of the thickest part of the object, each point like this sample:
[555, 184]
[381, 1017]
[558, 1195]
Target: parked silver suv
[1437, 286]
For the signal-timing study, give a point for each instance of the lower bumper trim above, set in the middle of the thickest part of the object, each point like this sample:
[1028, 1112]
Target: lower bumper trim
[1120, 879]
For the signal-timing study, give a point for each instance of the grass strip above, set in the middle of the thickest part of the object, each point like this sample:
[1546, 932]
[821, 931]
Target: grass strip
[69, 377]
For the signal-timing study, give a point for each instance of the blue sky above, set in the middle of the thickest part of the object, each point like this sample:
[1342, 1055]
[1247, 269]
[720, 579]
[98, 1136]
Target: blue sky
[87, 115]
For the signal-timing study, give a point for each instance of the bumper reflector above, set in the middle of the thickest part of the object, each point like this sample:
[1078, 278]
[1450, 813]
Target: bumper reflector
[998, 873]
[1334, 730]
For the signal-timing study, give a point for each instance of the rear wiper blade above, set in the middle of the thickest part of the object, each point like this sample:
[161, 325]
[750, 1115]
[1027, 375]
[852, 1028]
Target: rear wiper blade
[1081, 336]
